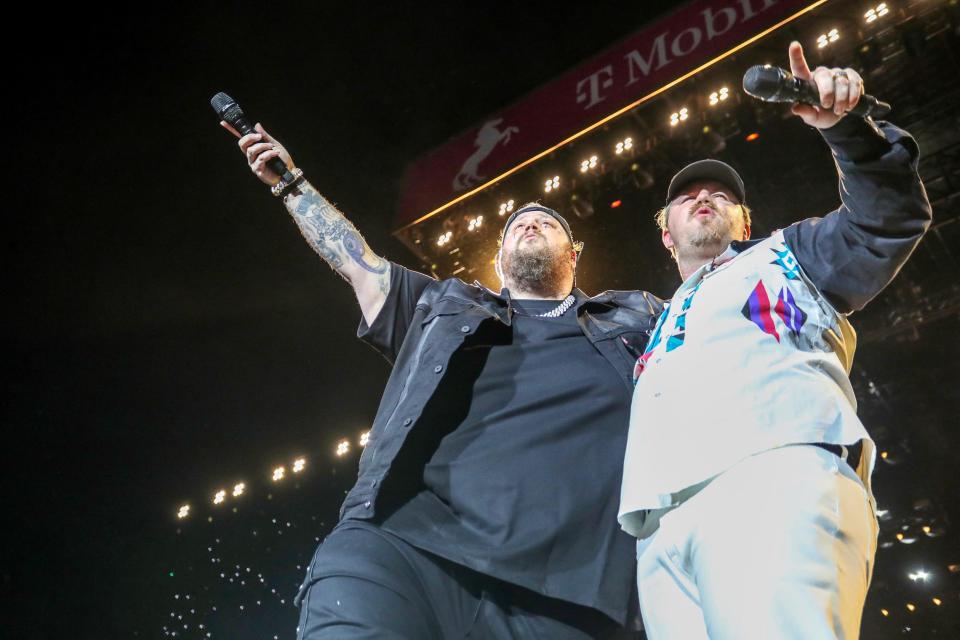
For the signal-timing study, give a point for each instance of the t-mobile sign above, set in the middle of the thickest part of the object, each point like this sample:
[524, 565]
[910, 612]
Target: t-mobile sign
[614, 79]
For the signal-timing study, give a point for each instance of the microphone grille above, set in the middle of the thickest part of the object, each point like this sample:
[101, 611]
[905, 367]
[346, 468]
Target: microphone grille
[763, 82]
[222, 103]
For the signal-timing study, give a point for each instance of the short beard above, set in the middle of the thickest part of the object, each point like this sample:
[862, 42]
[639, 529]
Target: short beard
[537, 270]
[709, 236]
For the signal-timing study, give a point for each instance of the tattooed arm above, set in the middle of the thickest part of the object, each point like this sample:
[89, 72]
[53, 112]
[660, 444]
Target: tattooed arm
[325, 229]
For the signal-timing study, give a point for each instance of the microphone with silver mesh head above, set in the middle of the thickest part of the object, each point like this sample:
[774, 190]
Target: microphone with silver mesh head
[231, 113]
[772, 84]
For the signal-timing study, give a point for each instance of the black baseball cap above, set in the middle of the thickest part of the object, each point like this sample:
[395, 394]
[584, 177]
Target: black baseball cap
[547, 210]
[707, 170]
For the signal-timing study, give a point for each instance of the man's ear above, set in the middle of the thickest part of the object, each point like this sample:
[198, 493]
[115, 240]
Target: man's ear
[666, 239]
[496, 265]
[746, 232]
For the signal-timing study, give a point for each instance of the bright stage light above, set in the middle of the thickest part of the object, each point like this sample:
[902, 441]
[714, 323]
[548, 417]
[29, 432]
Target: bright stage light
[299, 464]
[475, 223]
[884, 612]
[678, 117]
[505, 207]
[937, 601]
[876, 12]
[826, 38]
[183, 512]
[364, 438]
[219, 496]
[444, 238]
[238, 489]
[624, 145]
[911, 607]
[589, 163]
[278, 473]
[552, 184]
[719, 96]
[343, 447]
[920, 576]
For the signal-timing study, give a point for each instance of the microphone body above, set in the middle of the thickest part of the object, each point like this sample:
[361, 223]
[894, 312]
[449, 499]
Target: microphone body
[772, 84]
[230, 112]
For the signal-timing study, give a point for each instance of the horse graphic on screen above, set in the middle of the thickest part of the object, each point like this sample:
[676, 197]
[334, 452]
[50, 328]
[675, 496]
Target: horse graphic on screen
[488, 137]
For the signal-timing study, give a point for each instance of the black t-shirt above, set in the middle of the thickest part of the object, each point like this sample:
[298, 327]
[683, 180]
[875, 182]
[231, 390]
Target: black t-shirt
[518, 474]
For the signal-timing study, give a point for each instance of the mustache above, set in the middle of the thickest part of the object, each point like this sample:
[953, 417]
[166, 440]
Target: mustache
[700, 205]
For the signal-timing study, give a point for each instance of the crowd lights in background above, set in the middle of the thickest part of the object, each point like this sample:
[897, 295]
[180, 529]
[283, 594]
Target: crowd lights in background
[876, 12]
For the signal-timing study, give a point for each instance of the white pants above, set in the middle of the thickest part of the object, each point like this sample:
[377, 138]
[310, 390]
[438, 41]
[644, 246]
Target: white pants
[779, 546]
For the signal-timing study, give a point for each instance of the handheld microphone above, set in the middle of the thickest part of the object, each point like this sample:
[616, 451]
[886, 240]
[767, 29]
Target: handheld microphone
[230, 112]
[772, 84]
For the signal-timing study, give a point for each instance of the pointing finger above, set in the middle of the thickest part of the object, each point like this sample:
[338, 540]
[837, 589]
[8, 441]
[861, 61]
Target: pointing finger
[798, 64]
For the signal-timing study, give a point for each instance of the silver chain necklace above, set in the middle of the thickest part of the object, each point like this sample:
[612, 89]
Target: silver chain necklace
[553, 313]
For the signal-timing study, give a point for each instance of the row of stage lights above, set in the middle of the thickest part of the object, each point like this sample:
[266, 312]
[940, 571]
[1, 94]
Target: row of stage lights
[676, 118]
[277, 475]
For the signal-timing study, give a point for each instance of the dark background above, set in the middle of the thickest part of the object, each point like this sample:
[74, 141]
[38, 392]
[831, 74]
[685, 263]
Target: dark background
[168, 331]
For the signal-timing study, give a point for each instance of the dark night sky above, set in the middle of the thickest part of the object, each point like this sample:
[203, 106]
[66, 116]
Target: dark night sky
[169, 329]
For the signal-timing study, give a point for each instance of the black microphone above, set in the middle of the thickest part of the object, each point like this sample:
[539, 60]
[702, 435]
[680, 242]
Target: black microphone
[231, 113]
[772, 84]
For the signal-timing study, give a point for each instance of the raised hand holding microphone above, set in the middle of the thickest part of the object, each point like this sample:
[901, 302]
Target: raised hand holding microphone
[259, 148]
[840, 90]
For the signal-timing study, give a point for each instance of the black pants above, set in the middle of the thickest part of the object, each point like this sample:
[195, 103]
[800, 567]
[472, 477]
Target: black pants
[366, 583]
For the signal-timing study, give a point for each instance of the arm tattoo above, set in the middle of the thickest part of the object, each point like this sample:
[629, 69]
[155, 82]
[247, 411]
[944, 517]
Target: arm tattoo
[333, 237]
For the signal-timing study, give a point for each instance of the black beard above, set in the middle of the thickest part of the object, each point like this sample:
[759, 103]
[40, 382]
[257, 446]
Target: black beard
[537, 270]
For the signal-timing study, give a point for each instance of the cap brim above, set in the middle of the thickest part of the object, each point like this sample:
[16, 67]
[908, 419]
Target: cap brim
[706, 170]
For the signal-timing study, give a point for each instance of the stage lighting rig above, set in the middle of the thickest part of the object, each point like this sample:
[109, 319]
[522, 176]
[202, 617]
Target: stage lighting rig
[679, 116]
[551, 184]
[719, 96]
[827, 38]
[874, 13]
[505, 208]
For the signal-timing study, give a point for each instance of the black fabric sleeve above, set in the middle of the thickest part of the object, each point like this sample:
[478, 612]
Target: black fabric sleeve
[852, 253]
[389, 328]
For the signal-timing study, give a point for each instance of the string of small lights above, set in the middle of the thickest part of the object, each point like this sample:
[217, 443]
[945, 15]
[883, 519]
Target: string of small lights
[277, 475]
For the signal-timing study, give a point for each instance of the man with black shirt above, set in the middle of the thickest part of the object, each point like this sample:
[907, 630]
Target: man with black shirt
[486, 499]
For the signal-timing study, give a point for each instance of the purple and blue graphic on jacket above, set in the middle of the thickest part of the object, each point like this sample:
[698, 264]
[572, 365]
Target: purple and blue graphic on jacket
[786, 261]
[641, 362]
[680, 327]
[757, 309]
